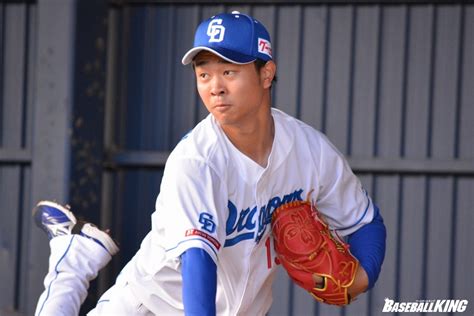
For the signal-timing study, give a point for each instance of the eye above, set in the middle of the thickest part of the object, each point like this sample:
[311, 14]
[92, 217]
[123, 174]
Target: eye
[229, 72]
[203, 75]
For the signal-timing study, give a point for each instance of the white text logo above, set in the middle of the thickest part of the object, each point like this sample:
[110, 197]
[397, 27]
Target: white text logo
[425, 306]
[216, 31]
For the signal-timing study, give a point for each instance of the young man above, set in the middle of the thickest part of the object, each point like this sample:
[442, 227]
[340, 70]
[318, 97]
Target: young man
[210, 248]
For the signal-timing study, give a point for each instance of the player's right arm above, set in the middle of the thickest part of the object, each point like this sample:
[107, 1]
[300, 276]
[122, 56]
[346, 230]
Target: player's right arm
[191, 213]
[190, 208]
[199, 274]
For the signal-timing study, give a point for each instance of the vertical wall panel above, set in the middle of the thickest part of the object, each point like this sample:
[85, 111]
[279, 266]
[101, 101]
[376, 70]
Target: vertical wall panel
[10, 190]
[463, 277]
[287, 44]
[26, 199]
[313, 65]
[412, 210]
[135, 51]
[411, 239]
[464, 258]
[361, 137]
[2, 62]
[161, 91]
[439, 237]
[339, 71]
[13, 67]
[445, 84]
[12, 133]
[156, 108]
[120, 86]
[23, 240]
[442, 146]
[302, 301]
[466, 133]
[391, 81]
[418, 83]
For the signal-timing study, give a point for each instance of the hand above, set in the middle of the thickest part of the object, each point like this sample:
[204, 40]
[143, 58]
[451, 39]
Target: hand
[361, 282]
[359, 285]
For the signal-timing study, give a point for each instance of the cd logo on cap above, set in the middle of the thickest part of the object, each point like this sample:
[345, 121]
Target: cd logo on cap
[216, 31]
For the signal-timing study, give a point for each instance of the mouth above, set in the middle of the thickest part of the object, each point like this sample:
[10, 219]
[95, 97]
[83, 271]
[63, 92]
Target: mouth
[221, 106]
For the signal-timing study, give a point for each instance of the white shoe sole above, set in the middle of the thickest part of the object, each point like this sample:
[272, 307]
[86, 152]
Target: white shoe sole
[101, 237]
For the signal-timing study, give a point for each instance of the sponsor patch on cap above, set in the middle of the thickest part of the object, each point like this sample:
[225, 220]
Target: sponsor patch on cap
[264, 47]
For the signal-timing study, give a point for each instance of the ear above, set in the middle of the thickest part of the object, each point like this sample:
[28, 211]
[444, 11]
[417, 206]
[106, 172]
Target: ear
[267, 73]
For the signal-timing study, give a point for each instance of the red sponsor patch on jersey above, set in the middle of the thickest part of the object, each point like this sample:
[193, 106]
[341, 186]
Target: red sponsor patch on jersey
[197, 232]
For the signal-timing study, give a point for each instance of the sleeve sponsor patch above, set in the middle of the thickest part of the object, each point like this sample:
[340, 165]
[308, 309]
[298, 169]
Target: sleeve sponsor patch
[197, 232]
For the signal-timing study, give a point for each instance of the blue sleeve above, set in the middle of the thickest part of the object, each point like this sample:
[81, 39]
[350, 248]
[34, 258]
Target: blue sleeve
[199, 274]
[367, 244]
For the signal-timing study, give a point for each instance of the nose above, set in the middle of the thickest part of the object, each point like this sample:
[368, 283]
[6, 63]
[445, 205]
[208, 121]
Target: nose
[217, 87]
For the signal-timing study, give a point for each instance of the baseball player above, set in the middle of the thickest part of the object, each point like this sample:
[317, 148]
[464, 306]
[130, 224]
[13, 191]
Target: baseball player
[210, 250]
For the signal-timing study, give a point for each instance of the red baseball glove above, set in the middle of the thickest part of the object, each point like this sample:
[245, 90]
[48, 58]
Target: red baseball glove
[307, 250]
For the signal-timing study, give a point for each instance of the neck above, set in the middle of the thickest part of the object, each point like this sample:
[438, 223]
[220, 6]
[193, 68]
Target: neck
[254, 139]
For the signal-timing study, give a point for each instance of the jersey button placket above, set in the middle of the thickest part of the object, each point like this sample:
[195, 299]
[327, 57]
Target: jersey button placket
[262, 199]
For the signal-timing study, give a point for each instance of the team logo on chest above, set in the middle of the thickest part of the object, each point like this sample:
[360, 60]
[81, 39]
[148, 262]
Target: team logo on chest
[247, 224]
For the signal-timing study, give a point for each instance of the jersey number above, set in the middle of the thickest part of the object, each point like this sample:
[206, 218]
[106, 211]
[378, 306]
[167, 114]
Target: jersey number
[269, 253]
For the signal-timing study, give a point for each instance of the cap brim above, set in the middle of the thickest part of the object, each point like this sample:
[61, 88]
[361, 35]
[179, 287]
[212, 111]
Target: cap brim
[189, 56]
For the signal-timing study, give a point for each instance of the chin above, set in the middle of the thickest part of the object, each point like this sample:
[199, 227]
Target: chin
[223, 119]
[223, 122]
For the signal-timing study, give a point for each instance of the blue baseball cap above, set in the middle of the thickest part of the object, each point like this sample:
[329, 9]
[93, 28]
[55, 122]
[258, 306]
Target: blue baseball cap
[235, 37]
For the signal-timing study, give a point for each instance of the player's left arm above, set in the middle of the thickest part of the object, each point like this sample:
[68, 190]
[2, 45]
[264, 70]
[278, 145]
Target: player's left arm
[350, 211]
[367, 244]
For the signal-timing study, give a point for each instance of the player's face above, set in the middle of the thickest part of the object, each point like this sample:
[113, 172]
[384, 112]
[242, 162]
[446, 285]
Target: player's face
[234, 94]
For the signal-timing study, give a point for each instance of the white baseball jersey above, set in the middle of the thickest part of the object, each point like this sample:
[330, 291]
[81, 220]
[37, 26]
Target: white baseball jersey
[215, 198]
